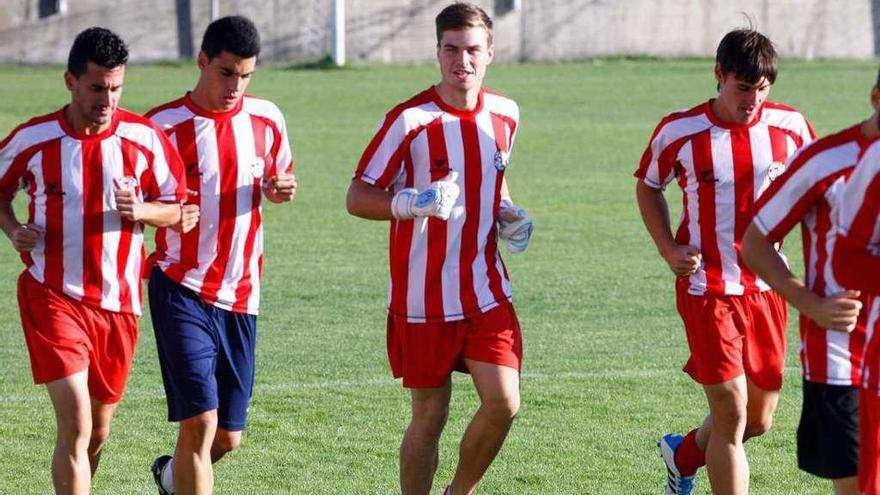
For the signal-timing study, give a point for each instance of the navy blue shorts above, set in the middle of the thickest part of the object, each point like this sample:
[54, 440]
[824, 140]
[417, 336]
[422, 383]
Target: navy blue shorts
[206, 354]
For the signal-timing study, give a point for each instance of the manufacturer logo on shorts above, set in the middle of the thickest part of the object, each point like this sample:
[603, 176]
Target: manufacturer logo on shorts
[258, 167]
[501, 160]
[776, 169]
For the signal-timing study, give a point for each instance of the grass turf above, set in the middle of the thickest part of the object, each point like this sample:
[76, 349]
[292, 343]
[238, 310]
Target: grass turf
[603, 344]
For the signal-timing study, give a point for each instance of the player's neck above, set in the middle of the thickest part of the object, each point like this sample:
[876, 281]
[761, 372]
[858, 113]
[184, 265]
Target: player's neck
[201, 99]
[870, 128]
[722, 112]
[82, 125]
[458, 99]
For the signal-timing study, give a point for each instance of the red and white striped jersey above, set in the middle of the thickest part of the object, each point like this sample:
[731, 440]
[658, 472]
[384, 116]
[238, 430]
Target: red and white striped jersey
[809, 193]
[228, 156]
[859, 228]
[722, 168]
[88, 251]
[445, 270]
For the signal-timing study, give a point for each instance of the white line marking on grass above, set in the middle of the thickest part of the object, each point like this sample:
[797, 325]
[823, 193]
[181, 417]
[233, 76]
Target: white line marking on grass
[610, 374]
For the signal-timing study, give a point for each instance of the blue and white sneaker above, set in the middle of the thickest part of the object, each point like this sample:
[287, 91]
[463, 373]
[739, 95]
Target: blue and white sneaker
[157, 468]
[676, 484]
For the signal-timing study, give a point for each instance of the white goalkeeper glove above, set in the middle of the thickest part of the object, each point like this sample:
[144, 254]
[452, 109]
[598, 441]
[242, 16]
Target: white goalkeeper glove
[435, 201]
[515, 226]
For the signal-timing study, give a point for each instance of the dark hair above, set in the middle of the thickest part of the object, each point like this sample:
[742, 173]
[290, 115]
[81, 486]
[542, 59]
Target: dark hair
[233, 34]
[99, 46]
[459, 16]
[747, 54]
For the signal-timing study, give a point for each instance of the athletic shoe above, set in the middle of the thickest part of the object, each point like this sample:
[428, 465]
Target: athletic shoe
[676, 484]
[156, 468]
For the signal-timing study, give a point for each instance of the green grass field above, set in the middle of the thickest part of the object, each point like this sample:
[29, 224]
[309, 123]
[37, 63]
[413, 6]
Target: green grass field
[603, 344]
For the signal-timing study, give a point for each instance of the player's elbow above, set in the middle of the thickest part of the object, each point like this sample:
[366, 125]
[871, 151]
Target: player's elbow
[357, 199]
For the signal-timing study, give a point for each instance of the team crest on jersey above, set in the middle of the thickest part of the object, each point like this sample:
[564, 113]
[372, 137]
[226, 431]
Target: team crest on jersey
[258, 167]
[776, 169]
[501, 159]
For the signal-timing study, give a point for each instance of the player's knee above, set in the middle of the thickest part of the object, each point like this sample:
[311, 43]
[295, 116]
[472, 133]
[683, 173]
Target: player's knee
[200, 427]
[502, 408]
[728, 419]
[226, 441]
[74, 429]
[757, 427]
[99, 437]
[430, 420]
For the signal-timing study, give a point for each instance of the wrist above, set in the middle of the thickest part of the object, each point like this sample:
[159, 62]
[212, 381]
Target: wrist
[401, 204]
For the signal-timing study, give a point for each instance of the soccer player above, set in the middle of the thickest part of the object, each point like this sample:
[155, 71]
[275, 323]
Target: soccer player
[723, 154]
[205, 289]
[856, 266]
[94, 174]
[808, 193]
[435, 169]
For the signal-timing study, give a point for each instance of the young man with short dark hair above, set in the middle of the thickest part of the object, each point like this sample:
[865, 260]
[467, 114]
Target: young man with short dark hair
[94, 174]
[723, 154]
[435, 169]
[205, 287]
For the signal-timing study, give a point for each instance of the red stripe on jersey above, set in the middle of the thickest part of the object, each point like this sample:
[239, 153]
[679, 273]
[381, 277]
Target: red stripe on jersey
[814, 353]
[500, 124]
[647, 156]
[779, 142]
[54, 236]
[185, 134]
[93, 218]
[438, 168]
[126, 227]
[228, 172]
[807, 200]
[862, 228]
[32, 210]
[705, 169]
[245, 286]
[815, 338]
[277, 140]
[857, 341]
[744, 195]
[388, 121]
[472, 182]
[823, 227]
[683, 235]
[399, 245]
[872, 352]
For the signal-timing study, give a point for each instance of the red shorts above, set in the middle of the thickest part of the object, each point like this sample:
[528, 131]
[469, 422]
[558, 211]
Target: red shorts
[426, 354]
[65, 337]
[732, 335]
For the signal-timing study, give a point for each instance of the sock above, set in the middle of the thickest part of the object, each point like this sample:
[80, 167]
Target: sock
[688, 456]
[168, 476]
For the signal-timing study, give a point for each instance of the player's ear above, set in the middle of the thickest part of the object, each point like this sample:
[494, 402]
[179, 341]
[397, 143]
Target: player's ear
[69, 80]
[491, 52]
[875, 98]
[202, 60]
[719, 75]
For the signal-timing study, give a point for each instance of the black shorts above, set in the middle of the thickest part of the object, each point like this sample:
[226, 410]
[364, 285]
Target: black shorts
[828, 434]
